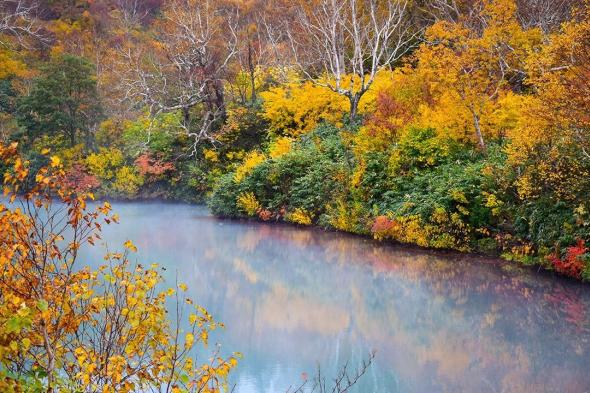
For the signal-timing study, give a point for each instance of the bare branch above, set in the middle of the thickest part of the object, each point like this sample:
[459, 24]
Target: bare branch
[342, 45]
[345, 379]
[183, 68]
[18, 18]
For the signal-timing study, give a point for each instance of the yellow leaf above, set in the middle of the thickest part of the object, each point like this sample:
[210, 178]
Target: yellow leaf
[55, 161]
[130, 246]
[26, 343]
[189, 340]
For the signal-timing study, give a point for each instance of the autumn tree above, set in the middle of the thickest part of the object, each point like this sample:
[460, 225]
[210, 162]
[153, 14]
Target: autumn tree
[562, 74]
[63, 101]
[551, 145]
[477, 65]
[69, 328]
[182, 65]
[342, 45]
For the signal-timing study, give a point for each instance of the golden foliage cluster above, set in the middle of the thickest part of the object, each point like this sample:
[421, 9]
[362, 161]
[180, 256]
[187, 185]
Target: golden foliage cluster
[66, 327]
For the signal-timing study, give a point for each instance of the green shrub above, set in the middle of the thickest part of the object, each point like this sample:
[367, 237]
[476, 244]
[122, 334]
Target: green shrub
[305, 178]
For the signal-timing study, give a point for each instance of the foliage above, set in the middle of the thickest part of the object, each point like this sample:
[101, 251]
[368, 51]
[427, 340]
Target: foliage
[78, 179]
[574, 262]
[127, 182]
[279, 147]
[158, 134]
[64, 99]
[419, 149]
[152, 166]
[248, 203]
[105, 163]
[296, 109]
[68, 328]
[470, 67]
[299, 216]
[252, 160]
[296, 185]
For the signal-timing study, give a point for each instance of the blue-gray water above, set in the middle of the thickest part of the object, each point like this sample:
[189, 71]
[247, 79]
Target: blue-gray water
[293, 298]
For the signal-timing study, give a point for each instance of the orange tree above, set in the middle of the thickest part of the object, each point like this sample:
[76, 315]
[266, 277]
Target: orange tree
[68, 328]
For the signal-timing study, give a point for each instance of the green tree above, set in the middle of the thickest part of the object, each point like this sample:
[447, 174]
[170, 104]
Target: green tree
[63, 101]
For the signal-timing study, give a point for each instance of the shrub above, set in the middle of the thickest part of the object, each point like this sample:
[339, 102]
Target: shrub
[296, 109]
[222, 200]
[306, 177]
[420, 149]
[154, 167]
[105, 163]
[299, 216]
[68, 328]
[247, 202]
[127, 182]
[78, 179]
[574, 262]
[157, 134]
[250, 162]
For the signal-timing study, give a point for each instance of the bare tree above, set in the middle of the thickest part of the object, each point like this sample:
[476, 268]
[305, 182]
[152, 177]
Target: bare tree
[183, 66]
[133, 13]
[342, 44]
[18, 18]
[274, 32]
[250, 54]
[441, 10]
[545, 14]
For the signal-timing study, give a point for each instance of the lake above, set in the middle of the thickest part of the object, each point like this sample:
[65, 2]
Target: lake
[294, 298]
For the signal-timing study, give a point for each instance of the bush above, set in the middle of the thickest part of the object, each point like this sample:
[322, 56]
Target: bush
[420, 149]
[298, 183]
[223, 200]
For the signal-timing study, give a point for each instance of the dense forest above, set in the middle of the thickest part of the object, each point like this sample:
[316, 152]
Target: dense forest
[449, 124]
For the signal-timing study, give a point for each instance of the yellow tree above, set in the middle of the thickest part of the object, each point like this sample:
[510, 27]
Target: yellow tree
[551, 144]
[472, 65]
[68, 328]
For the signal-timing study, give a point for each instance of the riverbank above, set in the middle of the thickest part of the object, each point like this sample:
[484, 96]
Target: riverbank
[425, 191]
[503, 261]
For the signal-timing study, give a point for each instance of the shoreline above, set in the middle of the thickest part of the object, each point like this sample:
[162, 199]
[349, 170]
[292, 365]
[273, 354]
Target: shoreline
[447, 252]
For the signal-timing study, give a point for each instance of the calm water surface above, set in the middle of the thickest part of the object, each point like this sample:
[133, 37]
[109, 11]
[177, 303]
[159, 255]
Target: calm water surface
[294, 298]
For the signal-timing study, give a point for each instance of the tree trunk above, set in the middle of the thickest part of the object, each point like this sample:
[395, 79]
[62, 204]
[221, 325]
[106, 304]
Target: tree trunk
[478, 133]
[72, 135]
[186, 117]
[252, 71]
[354, 105]
[88, 136]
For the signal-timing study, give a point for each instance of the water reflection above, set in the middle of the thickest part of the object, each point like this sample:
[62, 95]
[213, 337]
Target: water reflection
[292, 298]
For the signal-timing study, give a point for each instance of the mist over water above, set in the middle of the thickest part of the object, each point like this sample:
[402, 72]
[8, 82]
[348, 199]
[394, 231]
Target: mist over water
[293, 298]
